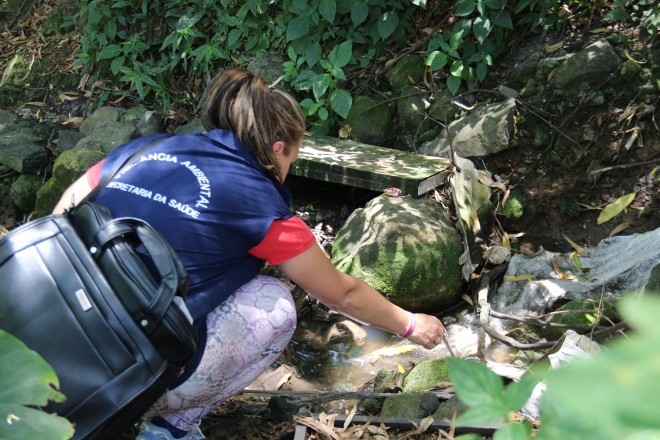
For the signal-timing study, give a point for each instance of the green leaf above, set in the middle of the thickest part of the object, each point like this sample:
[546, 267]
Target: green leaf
[482, 70]
[615, 208]
[320, 85]
[341, 102]
[465, 7]
[387, 24]
[503, 20]
[513, 431]
[456, 68]
[475, 384]
[359, 13]
[23, 423]
[495, 4]
[483, 415]
[518, 393]
[297, 28]
[110, 29]
[340, 55]
[453, 84]
[109, 51]
[328, 9]
[436, 60]
[116, 65]
[313, 54]
[615, 394]
[234, 38]
[481, 28]
[27, 379]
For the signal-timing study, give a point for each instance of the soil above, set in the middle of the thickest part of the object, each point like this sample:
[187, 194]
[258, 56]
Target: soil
[564, 200]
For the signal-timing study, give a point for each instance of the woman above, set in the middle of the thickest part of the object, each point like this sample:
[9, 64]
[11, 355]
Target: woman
[219, 200]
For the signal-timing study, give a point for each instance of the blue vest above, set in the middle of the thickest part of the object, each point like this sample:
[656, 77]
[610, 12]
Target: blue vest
[207, 194]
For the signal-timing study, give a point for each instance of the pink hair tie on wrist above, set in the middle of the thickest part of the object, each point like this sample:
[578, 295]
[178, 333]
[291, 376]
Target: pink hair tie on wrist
[411, 325]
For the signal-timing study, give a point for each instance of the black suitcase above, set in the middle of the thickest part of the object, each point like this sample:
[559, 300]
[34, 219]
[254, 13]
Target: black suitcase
[109, 327]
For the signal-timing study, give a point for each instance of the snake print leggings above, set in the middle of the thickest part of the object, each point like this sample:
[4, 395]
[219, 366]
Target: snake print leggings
[246, 334]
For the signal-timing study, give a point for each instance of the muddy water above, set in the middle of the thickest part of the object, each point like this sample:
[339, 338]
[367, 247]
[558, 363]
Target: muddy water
[348, 367]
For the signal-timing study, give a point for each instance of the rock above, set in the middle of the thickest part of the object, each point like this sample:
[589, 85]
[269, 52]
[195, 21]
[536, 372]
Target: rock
[105, 113]
[23, 191]
[406, 248]
[370, 120]
[111, 134]
[145, 121]
[426, 375]
[70, 165]
[487, 129]
[409, 70]
[450, 408]
[23, 145]
[410, 405]
[411, 107]
[594, 63]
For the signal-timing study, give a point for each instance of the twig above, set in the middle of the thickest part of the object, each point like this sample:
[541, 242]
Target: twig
[328, 396]
[626, 165]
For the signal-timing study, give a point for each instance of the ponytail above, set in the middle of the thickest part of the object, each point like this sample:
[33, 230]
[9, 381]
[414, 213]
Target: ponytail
[259, 115]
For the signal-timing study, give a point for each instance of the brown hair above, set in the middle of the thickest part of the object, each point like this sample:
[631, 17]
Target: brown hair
[259, 115]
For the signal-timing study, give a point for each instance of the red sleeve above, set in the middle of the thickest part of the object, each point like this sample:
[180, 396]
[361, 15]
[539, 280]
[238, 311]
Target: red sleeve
[94, 174]
[284, 240]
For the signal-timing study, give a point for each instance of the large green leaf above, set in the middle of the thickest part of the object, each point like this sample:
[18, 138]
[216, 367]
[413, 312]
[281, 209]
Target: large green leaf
[387, 24]
[297, 27]
[341, 102]
[27, 380]
[328, 9]
[615, 394]
[475, 384]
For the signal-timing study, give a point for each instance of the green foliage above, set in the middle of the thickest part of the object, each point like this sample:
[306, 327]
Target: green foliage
[151, 49]
[26, 381]
[644, 12]
[613, 395]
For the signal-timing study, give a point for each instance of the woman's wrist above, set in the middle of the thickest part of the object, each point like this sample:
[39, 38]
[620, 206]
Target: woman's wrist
[412, 321]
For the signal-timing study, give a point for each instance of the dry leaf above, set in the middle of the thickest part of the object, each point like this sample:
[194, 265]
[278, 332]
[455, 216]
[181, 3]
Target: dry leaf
[318, 426]
[68, 96]
[620, 227]
[580, 250]
[486, 180]
[350, 417]
[553, 47]
[519, 278]
[560, 273]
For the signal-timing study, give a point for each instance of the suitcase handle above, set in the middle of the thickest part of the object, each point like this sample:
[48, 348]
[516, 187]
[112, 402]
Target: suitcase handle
[160, 252]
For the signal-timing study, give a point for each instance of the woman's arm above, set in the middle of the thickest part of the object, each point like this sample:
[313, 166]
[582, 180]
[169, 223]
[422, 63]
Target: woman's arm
[350, 296]
[73, 194]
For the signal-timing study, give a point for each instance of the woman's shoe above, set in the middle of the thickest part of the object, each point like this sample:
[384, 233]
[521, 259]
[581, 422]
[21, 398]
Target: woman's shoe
[150, 431]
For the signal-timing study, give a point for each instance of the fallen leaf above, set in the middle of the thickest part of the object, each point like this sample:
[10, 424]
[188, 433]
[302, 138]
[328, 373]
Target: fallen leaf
[68, 96]
[620, 227]
[615, 208]
[519, 278]
[486, 180]
[579, 249]
[349, 419]
[563, 275]
[553, 47]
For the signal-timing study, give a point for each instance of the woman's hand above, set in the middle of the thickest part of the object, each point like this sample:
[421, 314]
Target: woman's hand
[428, 331]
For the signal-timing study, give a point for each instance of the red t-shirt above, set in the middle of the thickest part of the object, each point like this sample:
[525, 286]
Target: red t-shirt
[286, 238]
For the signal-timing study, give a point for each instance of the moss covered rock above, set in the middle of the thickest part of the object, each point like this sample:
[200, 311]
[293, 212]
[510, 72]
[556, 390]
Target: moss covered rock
[406, 248]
